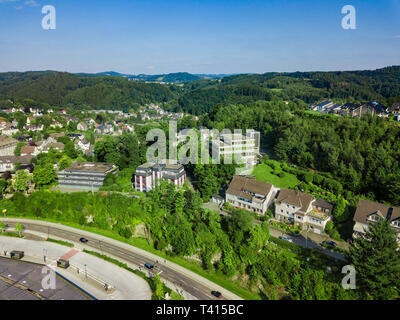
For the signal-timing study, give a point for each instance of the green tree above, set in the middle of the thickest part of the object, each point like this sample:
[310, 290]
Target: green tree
[22, 180]
[19, 228]
[44, 174]
[376, 259]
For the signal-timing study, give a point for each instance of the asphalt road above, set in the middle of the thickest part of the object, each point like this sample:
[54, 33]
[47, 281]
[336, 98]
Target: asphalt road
[193, 287]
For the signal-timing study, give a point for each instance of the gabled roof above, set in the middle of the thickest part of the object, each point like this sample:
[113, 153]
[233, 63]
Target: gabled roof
[367, 208]
[295, 198]
[244, 187]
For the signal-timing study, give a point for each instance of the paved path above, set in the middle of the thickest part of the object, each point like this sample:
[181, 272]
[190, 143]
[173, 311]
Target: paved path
[128, 285]
[182, 278]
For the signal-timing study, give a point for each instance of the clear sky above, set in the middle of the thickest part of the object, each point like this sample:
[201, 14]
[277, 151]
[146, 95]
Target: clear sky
[198, 36]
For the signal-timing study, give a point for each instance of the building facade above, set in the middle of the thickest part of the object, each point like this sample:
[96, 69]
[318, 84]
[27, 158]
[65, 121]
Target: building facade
[149, 175]
[244, 148]
[250, 194]
[368, 212]
[302, 210]
[85, 175]
[7, 146]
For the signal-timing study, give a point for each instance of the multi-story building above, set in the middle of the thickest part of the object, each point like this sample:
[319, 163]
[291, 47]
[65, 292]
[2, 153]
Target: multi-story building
[303, 210]
[7, 163]
[85, 175]
[7, 146]
[369, 212]
[250, 194]
[244, 148]
[149, 175]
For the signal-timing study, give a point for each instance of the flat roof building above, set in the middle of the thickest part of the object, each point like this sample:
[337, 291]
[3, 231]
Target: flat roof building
[85, 175]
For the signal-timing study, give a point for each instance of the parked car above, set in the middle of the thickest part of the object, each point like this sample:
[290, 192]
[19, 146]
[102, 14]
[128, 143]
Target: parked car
[285, 238]
[216, 294]
[149, 266]
[83, 240]
[330, 243]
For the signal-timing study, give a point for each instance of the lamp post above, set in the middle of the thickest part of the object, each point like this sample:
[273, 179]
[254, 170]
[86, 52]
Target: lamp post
[85, 272]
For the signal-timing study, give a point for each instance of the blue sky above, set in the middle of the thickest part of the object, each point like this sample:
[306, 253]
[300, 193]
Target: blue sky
[225, 36]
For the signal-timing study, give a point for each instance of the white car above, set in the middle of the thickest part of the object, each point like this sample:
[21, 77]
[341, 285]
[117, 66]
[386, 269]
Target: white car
[286, 239]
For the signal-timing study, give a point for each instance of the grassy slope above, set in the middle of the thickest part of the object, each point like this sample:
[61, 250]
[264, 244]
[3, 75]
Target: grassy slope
[263, 172]
[142, 243]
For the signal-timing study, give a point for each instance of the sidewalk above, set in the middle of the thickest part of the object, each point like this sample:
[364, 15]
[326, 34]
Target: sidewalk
[87, 271]
[152, 257]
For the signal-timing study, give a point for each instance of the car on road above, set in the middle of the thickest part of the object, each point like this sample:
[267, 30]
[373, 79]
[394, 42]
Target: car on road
[285, 238]
[329, 243]
[216, 294]
[149, 266]
[83, 240]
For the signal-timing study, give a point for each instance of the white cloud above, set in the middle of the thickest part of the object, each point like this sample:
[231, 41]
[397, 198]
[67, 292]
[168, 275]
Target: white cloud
[31, 3]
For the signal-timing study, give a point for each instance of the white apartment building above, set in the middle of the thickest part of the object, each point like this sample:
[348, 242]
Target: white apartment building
[149, 175]
[241, 148]
[250, 194]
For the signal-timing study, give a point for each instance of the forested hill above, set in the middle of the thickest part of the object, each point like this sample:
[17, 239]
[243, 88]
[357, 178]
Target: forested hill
[65, 89]
[200, 96]
[351, 86]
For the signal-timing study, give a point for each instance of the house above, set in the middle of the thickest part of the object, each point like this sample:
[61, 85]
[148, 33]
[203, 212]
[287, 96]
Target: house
[29, 151]
[85, 175]
[55, 124]
[7, 146]
[302, 210]
[7, 163]
[55, 145]
[34, 127]
[82, 126]
[148, 175]
[249, 194]
[82, 144]
[368, 212]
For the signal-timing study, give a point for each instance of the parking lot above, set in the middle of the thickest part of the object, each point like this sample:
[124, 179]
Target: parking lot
[21, 280]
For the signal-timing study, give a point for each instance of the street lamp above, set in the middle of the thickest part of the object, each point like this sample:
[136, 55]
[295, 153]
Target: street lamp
[85, 272]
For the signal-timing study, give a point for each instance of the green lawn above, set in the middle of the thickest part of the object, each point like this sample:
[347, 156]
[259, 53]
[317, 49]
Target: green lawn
[263, 172]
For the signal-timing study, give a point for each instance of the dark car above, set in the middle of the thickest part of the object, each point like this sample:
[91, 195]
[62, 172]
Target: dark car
[84, 240]
[330, 243]
[216, 294]
[149, 266]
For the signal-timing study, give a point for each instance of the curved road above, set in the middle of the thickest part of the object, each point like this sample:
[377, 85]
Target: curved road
[189, 284]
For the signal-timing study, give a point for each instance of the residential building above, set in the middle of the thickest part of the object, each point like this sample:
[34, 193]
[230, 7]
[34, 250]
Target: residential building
[368, 212]
[149, 175]
[7, 163]
[302, 210]
[242, 148]
[7, 146]
[29, 151]
[82, 126]
[55, 145]
[85, 175]
[249, 194]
